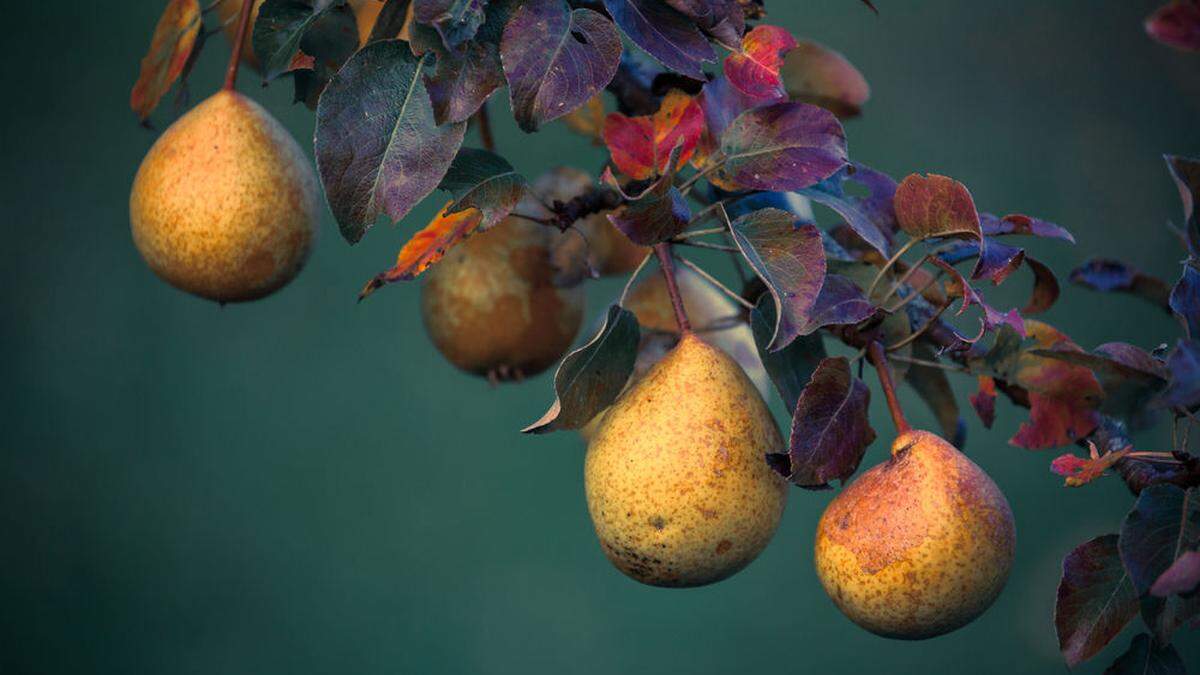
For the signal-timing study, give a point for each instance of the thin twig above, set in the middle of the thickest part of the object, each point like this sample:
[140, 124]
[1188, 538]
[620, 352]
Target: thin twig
[884, 370]
[704, 214]
[705, 244]
[890, 262]
[632, 277]
[235, 59]
[914, 295]
[920, 331]
[697, 233]
[928, 364]
[663, 251]
[713, 280]
[687, 185]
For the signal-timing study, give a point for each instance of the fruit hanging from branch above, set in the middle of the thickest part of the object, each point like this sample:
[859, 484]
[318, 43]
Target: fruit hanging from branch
[722, 131]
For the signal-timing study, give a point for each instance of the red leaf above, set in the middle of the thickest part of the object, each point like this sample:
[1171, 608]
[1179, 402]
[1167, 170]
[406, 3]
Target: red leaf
[755, 69]
[428, 246]
[1081, 471]
[817, 74]
[1177, 25]
[172, 44]
[640, 146]
[1063, 396]
[936, 206]
[1095, 599]
[1054, 423]
[984, 401]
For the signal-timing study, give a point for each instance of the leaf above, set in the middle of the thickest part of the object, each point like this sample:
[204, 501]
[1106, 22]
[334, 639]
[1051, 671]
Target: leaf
[872, 218]
[377, 145]
[790, 259]
[785, 146]
[1176, 24]
[830, 427]
[1079, 471]
[664, 33]
[1095, 599]
[485, 181]
[934, 388]
[754, 70]
[466, 75]
[1016, 223]
[1184, 366]
[555, 59]
[282, 29]
[170, 48]
[641, 146]
[984, 401]
[840, 302]
[1106, 275]
[1129, 376]
[816, 74]
[723, 20]
[589, 120]
[936, 206]
[591, 377]
[1163, 524]
[1185, 172]
[1185, 300]
[656, 214]
[456, 21]
[1063, 397]
[1182, 577]
[1145, 658]
[790, 368]
[427, 247]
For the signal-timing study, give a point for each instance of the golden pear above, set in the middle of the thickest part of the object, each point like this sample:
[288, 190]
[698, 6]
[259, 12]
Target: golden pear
[676, 481]
[919, 545]
[492, 306]
[225, 204]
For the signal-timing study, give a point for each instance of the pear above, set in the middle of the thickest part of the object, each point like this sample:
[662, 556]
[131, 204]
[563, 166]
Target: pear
[919, 545]
[607, 249]
[492, 305]
[225, 203]
[676, 483]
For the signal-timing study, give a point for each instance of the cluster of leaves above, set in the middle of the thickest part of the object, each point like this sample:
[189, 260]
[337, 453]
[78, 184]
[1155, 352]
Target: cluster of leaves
[737, 153]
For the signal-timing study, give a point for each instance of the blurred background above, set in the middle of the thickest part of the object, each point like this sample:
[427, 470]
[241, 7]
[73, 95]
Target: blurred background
[303, 485]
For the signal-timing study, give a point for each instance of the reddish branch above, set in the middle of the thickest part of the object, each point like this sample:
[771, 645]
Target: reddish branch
[879, 360]
[663, 251]
[235, 59]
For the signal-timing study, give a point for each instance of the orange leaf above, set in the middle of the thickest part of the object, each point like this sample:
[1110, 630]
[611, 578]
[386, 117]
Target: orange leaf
[1081, 471]
[641, 146]
[427, 247]
[170, 48]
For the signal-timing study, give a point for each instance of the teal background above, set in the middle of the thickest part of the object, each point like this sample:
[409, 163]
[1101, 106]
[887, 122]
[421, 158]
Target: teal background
[303, 485]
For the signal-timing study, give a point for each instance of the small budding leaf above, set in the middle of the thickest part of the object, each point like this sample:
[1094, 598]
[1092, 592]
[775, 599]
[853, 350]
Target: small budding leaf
[590, 378]
[664, 33]
[1145, 657]
[936, 206]
[1164, 523]
[754, 69]
[830, 427]
[790, 259]
[1181, 578]
[427, 247]
[1078, 471]
[170, 49]
[456, 21]
[379, 150]
[785, 146]
[1095, 599]
[1176, 24]
[555, 59]
[641, 146]
[790, 368]
[816, 74]
[485, 181]
[324, 29]
[1108, 276]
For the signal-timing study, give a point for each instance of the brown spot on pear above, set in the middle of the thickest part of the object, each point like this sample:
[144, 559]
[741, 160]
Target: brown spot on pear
[225, 203]
[919, 545]
[491, 305]
[683, 447]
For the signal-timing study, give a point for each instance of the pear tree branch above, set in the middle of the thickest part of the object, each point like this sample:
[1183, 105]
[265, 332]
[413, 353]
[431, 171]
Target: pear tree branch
[663, 251]
[235, 59]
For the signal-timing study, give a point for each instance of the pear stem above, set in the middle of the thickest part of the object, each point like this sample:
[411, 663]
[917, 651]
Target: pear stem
[663, 251]
[235, 59]
[879, 359]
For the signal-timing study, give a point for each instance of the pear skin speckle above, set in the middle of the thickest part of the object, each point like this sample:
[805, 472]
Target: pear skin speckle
[225, 204]
[677, 485]
[919, 545]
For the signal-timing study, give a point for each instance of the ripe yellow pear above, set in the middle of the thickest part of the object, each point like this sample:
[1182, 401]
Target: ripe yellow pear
[492, 306]
[676, 481]
[225, 204]
[919, 545]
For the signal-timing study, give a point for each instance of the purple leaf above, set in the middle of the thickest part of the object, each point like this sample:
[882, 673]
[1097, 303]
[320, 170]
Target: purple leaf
[1182, 577]
[724, 20]
[485, 181]
[1184, 366]
[1015, 223]
[455, 20]
[1095, 599]
[590, 378]
[1185, 300]
[464, 77]
[555, 59]
[1176, 24]
[791, 367]
[378, 147]
[785, 146]
[722, 103]
[872, 218]
[657, 213]
[840, 302]
[664, 33]
[830, 427]
[1164, 522]
[1105, 275]
[790, 260]
[1144, 657]
[1186, 174]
